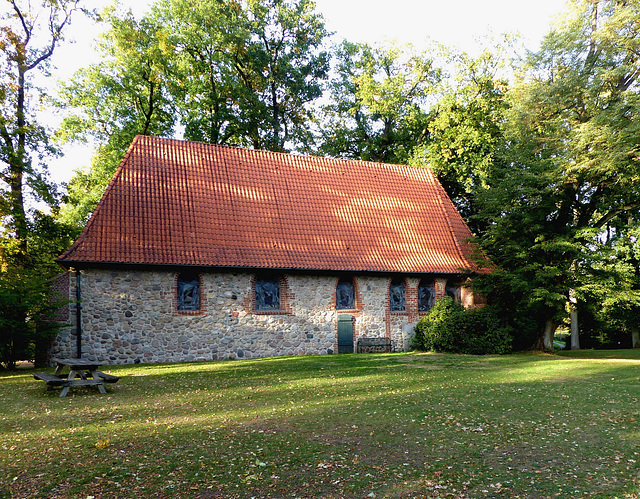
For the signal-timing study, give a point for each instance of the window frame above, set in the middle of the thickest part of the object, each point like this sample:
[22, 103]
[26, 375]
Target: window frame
[256, 284]
[181, 279]
[396, 282]
[432, 291]
[353, 297]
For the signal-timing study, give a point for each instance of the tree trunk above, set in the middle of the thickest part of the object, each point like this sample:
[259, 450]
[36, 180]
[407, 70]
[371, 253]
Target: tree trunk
[42, 348]
[544, 342]
[635, 337]
[573, 312]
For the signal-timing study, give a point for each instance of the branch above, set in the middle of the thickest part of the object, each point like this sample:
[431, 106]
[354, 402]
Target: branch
[591, 207]
[4, 133]
[614, 213]
[56, 33]
[23, 21]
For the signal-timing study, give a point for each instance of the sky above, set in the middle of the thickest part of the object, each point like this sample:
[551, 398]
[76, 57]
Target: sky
[455, 23]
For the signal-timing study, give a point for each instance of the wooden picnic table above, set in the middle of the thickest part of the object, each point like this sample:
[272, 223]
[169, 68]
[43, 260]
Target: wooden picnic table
[82, 372]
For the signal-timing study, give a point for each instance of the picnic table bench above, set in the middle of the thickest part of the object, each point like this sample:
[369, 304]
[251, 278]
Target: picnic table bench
[51, 379]
[81, 373]
[374, 345]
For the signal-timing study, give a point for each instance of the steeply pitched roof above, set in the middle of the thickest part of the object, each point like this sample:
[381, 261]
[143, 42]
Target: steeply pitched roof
[175, 202]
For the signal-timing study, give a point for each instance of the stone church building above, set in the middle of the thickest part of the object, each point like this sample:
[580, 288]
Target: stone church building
[201, 252]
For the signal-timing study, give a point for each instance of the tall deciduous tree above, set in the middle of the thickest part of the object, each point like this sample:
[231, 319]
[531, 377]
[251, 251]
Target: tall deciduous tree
[29, 239]
[29, 35]
[378, 108]
[124, 95]
[464, 128]
[202, 42]
[572, 156]
[282, 70]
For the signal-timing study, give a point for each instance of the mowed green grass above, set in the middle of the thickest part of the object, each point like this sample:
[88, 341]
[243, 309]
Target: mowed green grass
[354, 426]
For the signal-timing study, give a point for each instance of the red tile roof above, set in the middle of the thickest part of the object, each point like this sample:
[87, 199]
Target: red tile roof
[175, 202]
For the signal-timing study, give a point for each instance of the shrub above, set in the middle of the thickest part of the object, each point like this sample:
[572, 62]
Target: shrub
[448, 327]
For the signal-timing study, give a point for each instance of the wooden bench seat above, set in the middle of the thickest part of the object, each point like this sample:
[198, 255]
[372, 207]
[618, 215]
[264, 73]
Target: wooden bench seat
[83, 382]
[108, 378]
[374, 345]
[50, 379]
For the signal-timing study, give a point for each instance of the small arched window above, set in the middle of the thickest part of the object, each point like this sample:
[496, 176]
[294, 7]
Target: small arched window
[188, 292]
[453, 291]
[345, 295]
[426, 295]
[267, 294]
[397, 302]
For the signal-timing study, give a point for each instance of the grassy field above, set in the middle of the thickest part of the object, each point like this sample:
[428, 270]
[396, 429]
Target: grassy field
[396, 425]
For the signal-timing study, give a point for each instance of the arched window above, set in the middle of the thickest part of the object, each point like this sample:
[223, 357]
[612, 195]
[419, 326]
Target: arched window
[267, 294]
[345, 295]
[397, 301]
[426, 295]
[188, 292]
[453, 291]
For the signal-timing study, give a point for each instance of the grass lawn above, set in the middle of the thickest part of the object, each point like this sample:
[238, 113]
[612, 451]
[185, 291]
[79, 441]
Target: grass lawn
[394, 425]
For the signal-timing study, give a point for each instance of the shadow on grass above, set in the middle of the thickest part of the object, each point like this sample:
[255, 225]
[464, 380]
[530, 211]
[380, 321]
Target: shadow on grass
[397, 425]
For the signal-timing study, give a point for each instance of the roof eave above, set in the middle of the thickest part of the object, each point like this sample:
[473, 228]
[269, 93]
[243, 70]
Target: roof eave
[84, 264]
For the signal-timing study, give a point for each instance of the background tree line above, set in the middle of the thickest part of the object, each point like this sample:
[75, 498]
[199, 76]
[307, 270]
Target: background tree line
[539, 152]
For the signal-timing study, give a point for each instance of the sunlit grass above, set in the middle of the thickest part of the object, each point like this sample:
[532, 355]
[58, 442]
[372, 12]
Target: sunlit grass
[396, 425]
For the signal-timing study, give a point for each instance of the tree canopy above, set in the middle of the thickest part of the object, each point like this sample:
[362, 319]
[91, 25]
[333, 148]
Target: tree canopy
[569, 165]
[29, 238]
[378, 103]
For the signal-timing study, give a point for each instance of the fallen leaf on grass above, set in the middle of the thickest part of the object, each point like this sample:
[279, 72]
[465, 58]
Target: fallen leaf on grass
[102, 444]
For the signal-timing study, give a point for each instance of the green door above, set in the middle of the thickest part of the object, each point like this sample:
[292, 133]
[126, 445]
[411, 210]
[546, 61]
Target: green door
[345, 333]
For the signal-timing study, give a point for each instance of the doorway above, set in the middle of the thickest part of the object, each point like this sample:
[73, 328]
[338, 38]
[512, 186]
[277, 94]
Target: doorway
[345, 333]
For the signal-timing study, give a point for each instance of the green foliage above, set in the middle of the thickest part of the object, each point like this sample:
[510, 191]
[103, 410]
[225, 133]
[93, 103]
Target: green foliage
[378, 101]
[113, 101]
[282, 70]
[201, 43]
[448, 327]
[610, 304]
[29, 34]
[570, 129]
[26, 302]
[601, 331]
[26, 307]
[432, 329]
[464, 131]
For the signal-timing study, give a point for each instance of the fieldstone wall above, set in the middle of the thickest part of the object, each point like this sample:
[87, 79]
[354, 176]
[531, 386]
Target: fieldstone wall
[132, 317]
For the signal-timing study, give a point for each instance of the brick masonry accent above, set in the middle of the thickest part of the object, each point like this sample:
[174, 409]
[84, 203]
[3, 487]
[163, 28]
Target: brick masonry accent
[60, 294]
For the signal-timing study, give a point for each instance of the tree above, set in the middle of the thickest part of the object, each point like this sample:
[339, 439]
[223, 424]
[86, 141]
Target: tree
[27, 304]
[464, 129]
[378, 103]
[28, 37]
[113, 101]
[570, 158]
[202, 42]
[30, 239]
[281, 69]
[611, 303]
